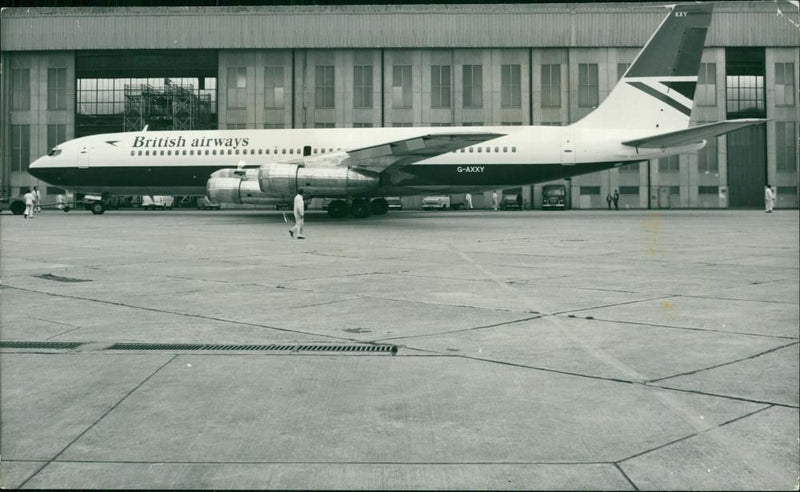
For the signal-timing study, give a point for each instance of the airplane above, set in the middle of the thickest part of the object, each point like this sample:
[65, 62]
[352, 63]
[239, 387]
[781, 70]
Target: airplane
[646, 116]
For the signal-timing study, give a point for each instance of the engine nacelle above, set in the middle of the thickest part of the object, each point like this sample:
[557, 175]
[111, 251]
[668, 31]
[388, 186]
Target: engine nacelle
[279, 179]
[237, 186]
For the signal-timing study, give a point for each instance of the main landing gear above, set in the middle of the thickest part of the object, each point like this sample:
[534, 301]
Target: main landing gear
[358, 207]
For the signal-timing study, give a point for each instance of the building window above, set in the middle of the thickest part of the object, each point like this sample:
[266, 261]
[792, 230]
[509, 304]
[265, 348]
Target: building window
[590, 190]
[621, 69]
[708, 190]
[669, 164]
[324, 86]
[628, 190]
[630, 168]
[274, 126]
[588, 85]
[473, 86]
[237, 87]
[511, 86]
[401, 86]
[362, 86]
[551, 86]
[745, 95]
[362, 125]
[20, 89]
[401, 125]
[274, 87]
[472, 123]
[237, 126]
[440, 86]
[784, 84]
[55, 135]
[511, 123]
[324, 125]
[786, 146]
[787, 190]
[56, 88]
[706, 92]
[20, 147]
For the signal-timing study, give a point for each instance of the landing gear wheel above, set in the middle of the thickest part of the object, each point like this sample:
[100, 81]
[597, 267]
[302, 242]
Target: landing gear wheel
[360, 208]
[337, 209]
[98, 208]
[379, 206]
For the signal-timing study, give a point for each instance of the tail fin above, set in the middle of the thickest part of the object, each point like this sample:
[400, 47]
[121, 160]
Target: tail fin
[657, 91]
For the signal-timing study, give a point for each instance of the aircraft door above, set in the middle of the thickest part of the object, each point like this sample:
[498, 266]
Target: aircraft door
[567, 151]
[83, 158]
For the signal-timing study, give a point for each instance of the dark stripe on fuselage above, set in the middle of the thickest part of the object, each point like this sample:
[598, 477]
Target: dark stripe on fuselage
[662, 97]
[109, 179]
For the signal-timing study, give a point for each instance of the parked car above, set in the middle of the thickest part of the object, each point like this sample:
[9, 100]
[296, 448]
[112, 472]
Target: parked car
[511, 202]
[395, 203]
[152, 202]
[440, 202]
[203, 203]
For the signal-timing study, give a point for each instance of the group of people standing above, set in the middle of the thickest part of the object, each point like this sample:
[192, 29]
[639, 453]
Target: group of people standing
[33, 202]
[613, 198]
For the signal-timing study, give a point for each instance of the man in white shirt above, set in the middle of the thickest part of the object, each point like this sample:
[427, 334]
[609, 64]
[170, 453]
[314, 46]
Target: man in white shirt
[37, 200]
[769, 198]
[299, 215]
[29, 201]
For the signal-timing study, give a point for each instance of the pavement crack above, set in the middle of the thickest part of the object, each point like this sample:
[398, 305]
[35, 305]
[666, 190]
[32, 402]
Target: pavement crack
[98, 420]
[696, 371]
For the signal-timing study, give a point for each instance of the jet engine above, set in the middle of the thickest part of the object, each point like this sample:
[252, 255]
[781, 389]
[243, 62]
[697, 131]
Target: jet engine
[238, 186]
[278, 179]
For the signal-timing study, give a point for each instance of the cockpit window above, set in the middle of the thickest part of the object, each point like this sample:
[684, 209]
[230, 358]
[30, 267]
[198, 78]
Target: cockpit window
[54, 152]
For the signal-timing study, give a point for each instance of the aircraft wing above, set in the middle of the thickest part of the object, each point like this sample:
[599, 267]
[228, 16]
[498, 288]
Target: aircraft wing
[379, 158]
[692, 135]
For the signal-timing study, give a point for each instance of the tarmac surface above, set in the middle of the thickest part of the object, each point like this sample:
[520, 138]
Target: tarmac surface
[419, 350]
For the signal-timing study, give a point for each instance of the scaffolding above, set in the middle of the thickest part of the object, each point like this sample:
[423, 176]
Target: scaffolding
[172, 107]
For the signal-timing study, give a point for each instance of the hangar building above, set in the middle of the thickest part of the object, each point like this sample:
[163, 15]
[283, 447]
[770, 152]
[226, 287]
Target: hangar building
[70, 72]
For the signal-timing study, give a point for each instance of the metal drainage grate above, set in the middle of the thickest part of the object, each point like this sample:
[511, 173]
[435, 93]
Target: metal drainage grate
[40, 345]
[50, 276]
[271, 347]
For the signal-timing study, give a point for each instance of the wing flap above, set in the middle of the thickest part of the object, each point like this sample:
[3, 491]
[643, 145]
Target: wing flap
[381, 157]
[692, 135]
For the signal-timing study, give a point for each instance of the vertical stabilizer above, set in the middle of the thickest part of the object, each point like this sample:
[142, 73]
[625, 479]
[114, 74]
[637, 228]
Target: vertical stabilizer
[657, 91]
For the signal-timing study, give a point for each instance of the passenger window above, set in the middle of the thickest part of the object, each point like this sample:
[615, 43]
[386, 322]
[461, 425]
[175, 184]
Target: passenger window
[505, 149]
[260, 151]
[497, 149]
[140, 152]
[513, 149]
[283, 151]
[162, 152]
[146, 152]
[291, 151]
[169, 152]
[252, 151]
[206, 151]
[236, 151]
[133, 152]
[470, 150]
[230, 152]
[480, 149]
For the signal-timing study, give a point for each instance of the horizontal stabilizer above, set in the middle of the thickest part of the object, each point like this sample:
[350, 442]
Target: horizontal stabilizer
[692, 135]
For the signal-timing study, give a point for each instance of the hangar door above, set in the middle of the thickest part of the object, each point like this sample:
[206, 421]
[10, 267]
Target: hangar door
[747, 166]
[747, 148]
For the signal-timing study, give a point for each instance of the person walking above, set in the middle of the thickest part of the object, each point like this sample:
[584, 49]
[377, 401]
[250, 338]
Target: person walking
[468, 199]
[29, 201]
[769, 198]
[616, 200]
[608, 200]
[299, 215]
[37, 200]
[494, 201]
